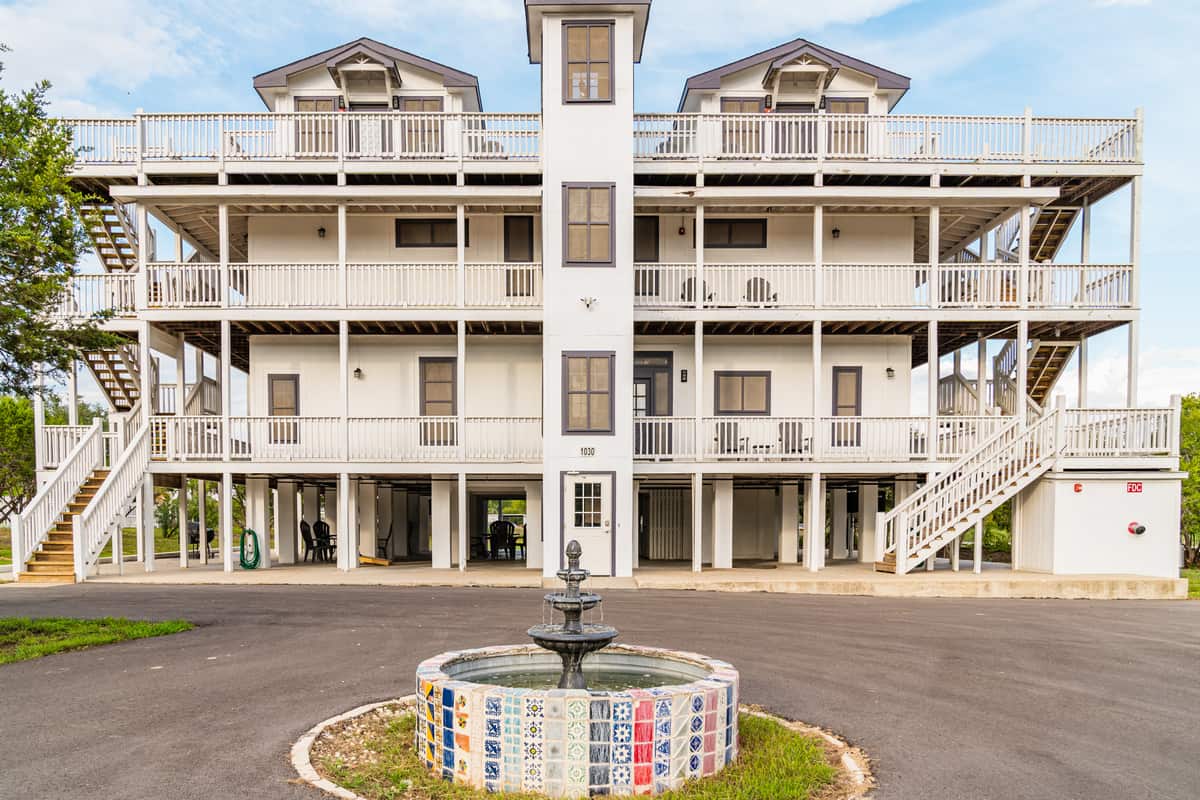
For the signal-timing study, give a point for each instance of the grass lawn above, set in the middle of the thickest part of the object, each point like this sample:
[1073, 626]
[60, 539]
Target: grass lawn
[129, 543]
[22, 638]
[774, 762]
[1193, 579]
[5, 546]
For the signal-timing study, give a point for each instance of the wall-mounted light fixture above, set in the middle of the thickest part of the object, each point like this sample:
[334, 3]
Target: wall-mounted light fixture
[682, 226]
[395, 102]
[358, 373]
[891, 373]
[587, 301]
[341, 102]
[683, 376]
[321, 232]
[837, 233]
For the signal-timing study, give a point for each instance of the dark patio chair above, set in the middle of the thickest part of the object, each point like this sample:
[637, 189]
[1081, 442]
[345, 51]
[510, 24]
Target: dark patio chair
[758, 292]
[194, 539]
[500, 537]
[310, 544]
[326, 541]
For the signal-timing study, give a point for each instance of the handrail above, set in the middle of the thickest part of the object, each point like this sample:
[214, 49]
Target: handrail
[93, 527]
[32, 526]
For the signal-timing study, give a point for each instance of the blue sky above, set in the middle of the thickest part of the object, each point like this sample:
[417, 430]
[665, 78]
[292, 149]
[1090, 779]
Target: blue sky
[1060, 57]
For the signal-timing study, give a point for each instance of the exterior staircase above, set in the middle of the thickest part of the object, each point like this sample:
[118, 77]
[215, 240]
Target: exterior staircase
[952, 502]
[113, 234]
[117, 372]
[55, 561]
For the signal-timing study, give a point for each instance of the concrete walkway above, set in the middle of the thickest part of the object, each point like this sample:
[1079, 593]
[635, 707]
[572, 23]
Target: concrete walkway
[953, 700]
[841, 578]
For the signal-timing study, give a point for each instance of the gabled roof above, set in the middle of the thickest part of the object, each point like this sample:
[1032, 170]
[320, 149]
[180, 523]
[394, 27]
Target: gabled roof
[387, 55]
[784, 53]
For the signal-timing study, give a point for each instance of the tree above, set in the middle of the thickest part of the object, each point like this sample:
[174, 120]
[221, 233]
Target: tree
[18, 477]
[1189, 462]
[42, 238]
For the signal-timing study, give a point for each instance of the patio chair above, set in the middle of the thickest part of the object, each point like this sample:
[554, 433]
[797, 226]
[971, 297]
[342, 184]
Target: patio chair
[310, 545]
[194, 538]
[500, 537]
[689, 291]
[326, 541]
[728, 440]
[758, 292]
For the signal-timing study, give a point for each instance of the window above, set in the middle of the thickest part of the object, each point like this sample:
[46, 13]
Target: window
[645, 240]
[589, 504]
[587, 392]
[431, 233]
[438, 392]
[588, 54]
[743, 393]
[315, 135]
[518, 249]
[283, 400]
[730, 233]
[846, 105]
[589, 230]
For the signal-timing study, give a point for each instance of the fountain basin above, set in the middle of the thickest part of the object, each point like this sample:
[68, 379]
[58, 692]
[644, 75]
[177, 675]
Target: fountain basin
[489, 718]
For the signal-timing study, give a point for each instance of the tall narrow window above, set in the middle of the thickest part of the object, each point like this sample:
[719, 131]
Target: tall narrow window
[283, 400]
[438, 399]
[588, 55]
[589, 229]
[587, 392]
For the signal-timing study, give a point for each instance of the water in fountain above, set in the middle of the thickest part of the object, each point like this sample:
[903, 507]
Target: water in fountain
[572, 639]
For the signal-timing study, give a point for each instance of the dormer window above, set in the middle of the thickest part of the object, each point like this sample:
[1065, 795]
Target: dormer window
[587, 62]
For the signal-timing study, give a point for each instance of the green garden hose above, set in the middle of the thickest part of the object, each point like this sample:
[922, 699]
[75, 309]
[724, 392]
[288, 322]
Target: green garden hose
[249, 541]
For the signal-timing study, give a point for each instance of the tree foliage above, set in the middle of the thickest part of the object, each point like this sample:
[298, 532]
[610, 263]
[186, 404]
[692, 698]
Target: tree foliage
[42, 238]
[1189, 462]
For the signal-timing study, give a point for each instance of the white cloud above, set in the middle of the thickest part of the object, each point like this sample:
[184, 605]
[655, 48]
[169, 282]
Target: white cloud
[1162, 372]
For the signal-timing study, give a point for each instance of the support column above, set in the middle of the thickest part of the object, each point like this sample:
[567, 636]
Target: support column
[1015, 531]
[343, 519]
[981, 375]
[1131, 375]
[1082, 368]
[818, 239]
[399, 523]
[227, 521]
[1022, 371]
[955, 552]
[286, 525]
[722, 557]
[460, 272]
[331, 496]
[147, 373]
[460, 389]
[818, 374]
[343, 273]
[385, 529]
[635, 528]
[39, 424]
[256, 517]
[789, 513]
[145, 523]
[1135, 240]
[182, 520]
[73, 393]
[814, 524]
[1023, 275]
[935, 369]
[368, 503]
[440, 522]
[181, 375]
[977, 556]
[841, 524]
[697, 519]
[701, 429]
[935, 253]
[202, 506]
[223, 251]
[868, 502]
[464, 523]
[699, 275]
[226, 375]
[1085, 238]
[344, 385]
[533, 525]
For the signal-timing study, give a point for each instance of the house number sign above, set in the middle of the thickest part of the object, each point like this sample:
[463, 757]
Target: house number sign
[587, 452]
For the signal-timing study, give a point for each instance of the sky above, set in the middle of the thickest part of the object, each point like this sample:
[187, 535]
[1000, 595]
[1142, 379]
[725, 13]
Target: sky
[1059, 57]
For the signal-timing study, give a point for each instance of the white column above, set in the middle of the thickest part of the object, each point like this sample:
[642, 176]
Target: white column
[635, 529]
[348, 543]
[440, 522]
[955, 552]
[343, 519]
[147, 373]
[1023, 276]
[697, 520]
[1131, 375]
[368, 503]
[460, 273]
[257, 490]
[977, 556]
[202, 507]
[286, 526]
[460, 389]
[223, 251]
[533, 525]
[383, 519]
[73, 393]
[227, 521]
[181, 376]
[699, 380]
[814, 524]
[935, 252]
[39, 423]
[722, 524]
[1085, 238]
[868, 502]
[789, 512]
[818, 238]
[117, 548]
[935, 368]
[182, 518]
[343, 273]
[818, 375]
[145, 521]
[1082, 367]
[841, 523]
[699, 276]
[226, 373]
[1016, 526]
[1022, 370]
[399, 523]
[344, 384]
[1135, 239]
[981, 375]
[464, 523]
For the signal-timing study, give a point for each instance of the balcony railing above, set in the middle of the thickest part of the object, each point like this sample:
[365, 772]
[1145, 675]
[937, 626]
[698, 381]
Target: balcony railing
[758, 286]
[378, 439]
[373, 136]
[1121, 432]
[107, 293]
[319, 286]
[895, 137]
[59, 440]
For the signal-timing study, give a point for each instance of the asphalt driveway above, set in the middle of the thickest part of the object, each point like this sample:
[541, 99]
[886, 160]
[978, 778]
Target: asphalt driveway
[952, 698]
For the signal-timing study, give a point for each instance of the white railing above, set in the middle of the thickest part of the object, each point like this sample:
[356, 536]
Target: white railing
[203, 398]
[32, 526]
[284, 285]
[1081, 285]
[401, 285]
[979, 285]
[112, 293]
[187, 285]
[959, 435]
[1121, 432]
[872, 438]
[759, 285]
[665, 286]
[58, 441]
[404, 439]
[877, 137]
[328, 135]
[504, 285]
[664, 438]
[286, 438]
[756, 438]
[503, 438]
[94, 526]
[186, 438]
[957, 395]
[875, 285]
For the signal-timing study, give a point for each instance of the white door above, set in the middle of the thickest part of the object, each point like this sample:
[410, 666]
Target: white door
[587, 518]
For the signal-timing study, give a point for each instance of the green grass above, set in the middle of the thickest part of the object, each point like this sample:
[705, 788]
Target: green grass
[22, 638]
[774, 762]
[129, 543]
[5, 546]
[1193, 579]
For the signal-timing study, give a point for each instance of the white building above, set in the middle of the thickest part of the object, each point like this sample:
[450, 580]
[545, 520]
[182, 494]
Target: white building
[679, 337]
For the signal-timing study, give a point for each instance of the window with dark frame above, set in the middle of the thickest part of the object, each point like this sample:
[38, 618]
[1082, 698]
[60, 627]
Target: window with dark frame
[742, 393]
[518, 249]
[437, 232]
[588, 58]
[587, 392]
[731, 233]
[283, 400]
[439, 398]
[645, 251]
[589, 224]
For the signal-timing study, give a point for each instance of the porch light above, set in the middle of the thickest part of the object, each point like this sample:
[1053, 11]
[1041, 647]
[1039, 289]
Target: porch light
[395, 102]
[321, 232]
[891, 373]
[341, 102]
[358, 373]
[837, 233]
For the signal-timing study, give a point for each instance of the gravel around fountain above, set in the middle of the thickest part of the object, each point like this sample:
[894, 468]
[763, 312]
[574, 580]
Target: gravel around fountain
[373, 756]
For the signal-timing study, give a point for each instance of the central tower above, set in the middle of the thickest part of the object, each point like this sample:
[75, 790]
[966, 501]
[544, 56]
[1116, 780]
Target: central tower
[587, 52]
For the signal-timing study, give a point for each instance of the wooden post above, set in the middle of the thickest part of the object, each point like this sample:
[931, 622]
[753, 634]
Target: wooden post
[697, 521]
[226, 521]
[698, 378]
[223, 236]
[1082, 401]
[935, 251]
[977, 556]
[343, 272]
[344, 386]
[460, 273]
[698, 278]
[818, 248]
[817, 392]
[226, 389]
[182, 518]
[934, 363]
[1022, 400]
[463, 523]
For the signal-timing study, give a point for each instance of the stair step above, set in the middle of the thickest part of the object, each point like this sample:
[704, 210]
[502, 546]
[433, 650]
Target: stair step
[52, 557]
[50, 569]
[885, 566]
[42, 577]
[51, 546]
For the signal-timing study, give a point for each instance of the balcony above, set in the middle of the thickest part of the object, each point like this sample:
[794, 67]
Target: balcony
[892, 138]
[358, 439]
[113, 294]
[308, 137]
[892, 286]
